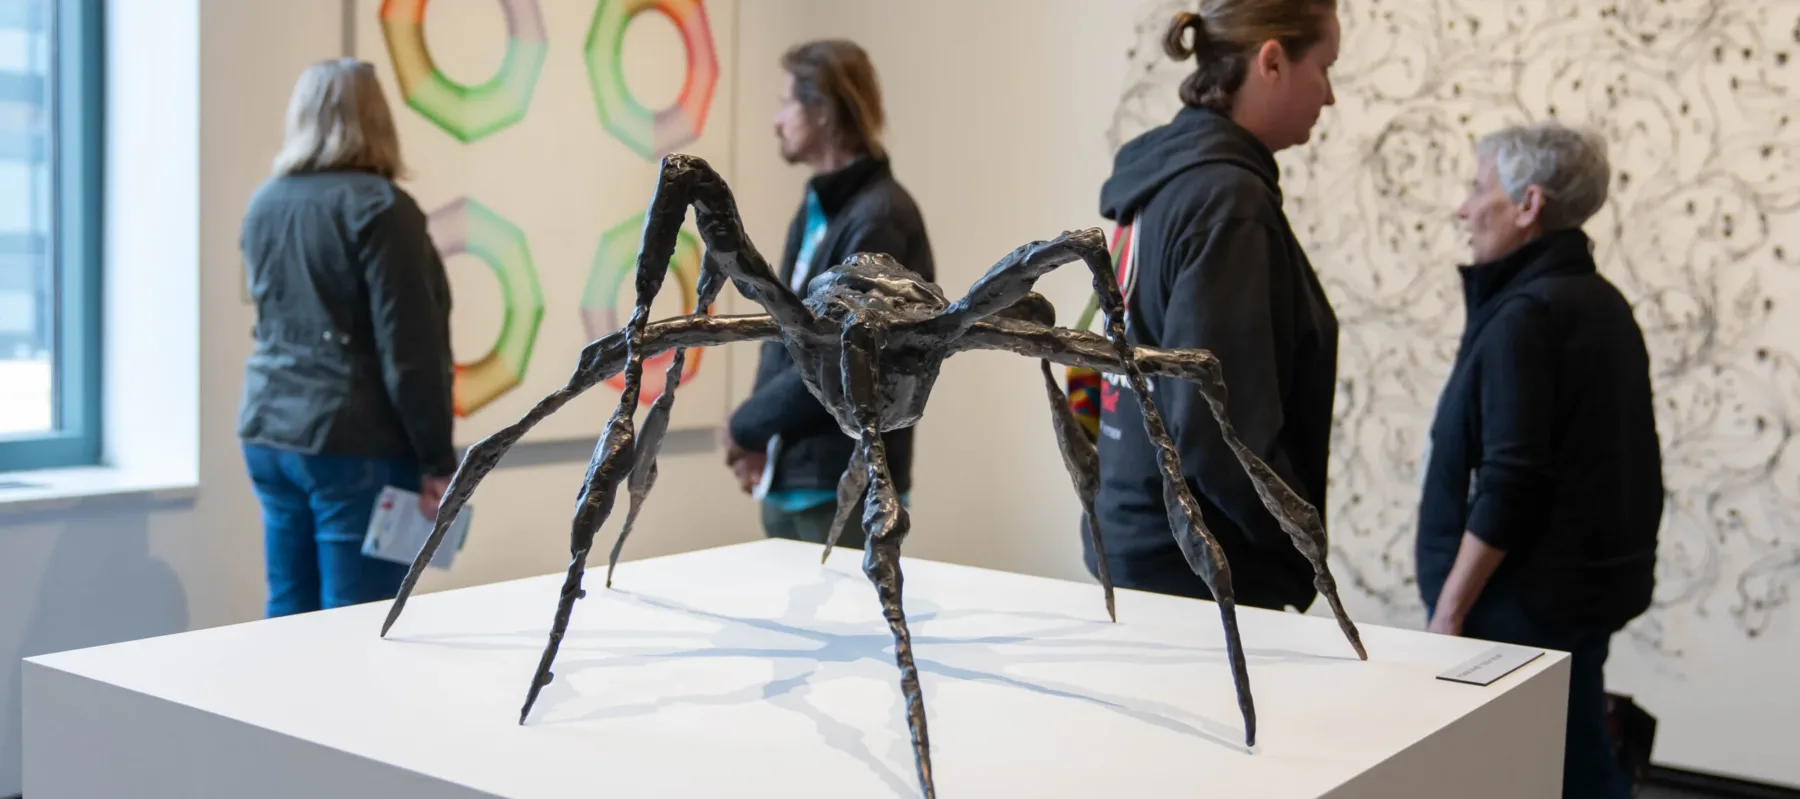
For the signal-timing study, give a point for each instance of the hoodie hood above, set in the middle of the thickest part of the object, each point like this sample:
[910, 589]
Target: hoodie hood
[1196, 136]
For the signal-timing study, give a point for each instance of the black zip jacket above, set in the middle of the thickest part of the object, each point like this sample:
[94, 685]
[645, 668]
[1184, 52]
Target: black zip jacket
[352, 351]
[1544, 443]
[867, 211]
[1218, 268]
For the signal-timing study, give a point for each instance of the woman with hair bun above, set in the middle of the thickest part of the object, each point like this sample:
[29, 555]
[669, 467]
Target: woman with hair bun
[1212, 263]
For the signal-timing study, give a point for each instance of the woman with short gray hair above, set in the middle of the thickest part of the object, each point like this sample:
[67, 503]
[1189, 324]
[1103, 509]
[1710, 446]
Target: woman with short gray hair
[1543, 489]
[1562, 171]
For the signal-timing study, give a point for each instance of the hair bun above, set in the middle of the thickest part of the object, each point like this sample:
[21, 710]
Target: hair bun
[1175, 41]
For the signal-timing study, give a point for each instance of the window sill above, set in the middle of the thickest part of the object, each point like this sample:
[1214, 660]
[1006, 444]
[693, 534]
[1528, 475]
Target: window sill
[50, 490]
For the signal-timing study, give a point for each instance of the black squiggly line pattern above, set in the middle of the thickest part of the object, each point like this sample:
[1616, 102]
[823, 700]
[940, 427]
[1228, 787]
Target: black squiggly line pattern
[1701, 232]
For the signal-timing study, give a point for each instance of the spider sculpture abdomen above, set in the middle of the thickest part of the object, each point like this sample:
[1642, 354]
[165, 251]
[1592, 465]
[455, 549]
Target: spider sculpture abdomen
[868, 340]
[869, 288]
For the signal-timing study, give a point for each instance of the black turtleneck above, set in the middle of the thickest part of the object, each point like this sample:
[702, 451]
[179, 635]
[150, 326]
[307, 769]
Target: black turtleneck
[1544, 443]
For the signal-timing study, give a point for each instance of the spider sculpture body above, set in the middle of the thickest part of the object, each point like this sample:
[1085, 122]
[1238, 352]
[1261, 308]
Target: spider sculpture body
[869, 338]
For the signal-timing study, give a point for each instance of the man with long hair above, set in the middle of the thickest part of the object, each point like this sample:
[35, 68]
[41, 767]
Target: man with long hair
[784, 446]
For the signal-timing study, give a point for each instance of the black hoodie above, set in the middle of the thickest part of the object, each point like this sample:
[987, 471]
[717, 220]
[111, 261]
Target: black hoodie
[1217, 268]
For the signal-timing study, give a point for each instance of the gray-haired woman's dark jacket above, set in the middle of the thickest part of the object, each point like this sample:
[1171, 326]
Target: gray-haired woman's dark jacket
[1544, 444]
[352, 335]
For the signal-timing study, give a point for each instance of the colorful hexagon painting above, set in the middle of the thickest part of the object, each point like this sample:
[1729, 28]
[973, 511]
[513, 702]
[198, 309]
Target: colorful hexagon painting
[466, 112]
[466, 226]
[601, 315]
[652, 134]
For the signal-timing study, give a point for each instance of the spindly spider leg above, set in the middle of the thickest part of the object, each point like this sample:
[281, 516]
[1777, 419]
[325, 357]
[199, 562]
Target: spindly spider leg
[683, 181]
[1079, 455]
[1009, 282]
[643, 468]
[1202, 551]
[1083, 462]
[729, 253]
[1296, 516]
[851, 488]
[599, 360]
[656, 423]
[612, 453]
[485, 454]
[715, 213]
[886, 523]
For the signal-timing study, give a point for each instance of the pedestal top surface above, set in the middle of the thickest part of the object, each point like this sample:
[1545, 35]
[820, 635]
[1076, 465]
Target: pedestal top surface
[752, 670]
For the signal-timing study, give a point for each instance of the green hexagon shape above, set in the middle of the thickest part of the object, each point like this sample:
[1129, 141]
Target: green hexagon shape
[466, 112]
[467, 226]
[614, 268]
[651, 134]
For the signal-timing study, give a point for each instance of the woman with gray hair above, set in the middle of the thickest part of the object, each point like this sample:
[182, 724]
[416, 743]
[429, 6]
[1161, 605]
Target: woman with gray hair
[1543, 487]
[348, 389]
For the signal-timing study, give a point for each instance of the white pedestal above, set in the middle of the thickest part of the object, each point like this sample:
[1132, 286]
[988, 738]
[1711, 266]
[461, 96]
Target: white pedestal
[752, 671]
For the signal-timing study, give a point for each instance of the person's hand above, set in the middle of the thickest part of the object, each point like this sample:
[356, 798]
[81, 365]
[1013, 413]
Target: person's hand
[431, 492]
[749, 469]
[733, 452]
[746, 464]
[1446, 623]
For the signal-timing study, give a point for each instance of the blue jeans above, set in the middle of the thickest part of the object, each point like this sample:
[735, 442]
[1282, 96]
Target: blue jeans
[1590, 770]
[316, 511]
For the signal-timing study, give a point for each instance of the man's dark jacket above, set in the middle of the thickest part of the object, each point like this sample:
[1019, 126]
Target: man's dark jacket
[352, 353]
[1219, 269]
[868, 211]
[1544, 444]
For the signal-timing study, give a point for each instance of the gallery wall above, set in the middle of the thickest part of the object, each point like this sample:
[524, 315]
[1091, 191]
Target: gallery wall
[88, 573]
[1005, 114]
[1004, 117]
[533, 133]
[1695, 100]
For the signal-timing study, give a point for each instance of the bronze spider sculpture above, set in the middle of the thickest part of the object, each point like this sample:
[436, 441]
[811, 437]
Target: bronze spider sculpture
[869, 338]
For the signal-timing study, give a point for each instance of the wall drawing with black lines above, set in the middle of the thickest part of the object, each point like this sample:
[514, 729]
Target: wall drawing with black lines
[1702, 233]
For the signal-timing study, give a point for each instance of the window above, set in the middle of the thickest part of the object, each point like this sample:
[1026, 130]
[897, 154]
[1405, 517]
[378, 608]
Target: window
[50, 236]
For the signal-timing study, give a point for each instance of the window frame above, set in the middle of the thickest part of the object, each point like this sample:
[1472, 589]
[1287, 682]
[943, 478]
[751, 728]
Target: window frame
[77, 245]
